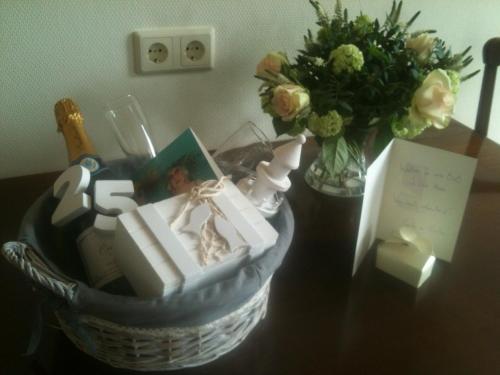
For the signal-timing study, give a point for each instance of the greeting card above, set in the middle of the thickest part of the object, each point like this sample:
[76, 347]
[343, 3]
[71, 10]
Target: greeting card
[416, 186]
[181, 165]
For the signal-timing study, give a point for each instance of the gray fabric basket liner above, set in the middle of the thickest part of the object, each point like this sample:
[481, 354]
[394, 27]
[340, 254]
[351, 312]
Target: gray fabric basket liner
[178, 310]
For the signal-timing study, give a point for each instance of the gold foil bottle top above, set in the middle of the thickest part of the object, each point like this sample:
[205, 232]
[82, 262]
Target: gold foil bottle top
[70, 123]
[67, 114]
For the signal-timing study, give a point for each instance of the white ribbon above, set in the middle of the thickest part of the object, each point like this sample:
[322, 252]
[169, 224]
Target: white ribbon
[211, 243]
[409, 236]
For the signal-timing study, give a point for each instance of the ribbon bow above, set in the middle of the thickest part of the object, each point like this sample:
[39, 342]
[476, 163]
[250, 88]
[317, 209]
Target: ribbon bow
[200, 197]
[409, 236]
[206, 190]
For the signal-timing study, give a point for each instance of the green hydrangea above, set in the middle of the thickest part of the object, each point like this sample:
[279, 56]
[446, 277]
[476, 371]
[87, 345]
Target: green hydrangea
[346, 58]
[454, 77]
[325, 126]
[318, 61]
[406, 129]
[363, 24]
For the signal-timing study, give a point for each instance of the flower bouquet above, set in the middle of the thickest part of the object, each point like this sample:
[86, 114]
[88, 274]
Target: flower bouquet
[359, 80]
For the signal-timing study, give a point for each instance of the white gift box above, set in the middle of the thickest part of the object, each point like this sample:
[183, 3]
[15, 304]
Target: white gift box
[405, 262]
[159, 258]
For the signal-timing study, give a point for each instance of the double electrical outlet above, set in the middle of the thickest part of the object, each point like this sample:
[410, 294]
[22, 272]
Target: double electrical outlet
[174, 48]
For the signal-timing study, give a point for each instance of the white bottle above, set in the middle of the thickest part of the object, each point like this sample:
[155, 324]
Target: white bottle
[272, 177]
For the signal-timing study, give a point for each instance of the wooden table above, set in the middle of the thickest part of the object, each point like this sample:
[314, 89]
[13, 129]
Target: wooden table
[320, 321]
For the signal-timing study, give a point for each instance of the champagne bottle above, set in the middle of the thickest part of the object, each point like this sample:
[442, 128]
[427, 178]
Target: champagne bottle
[80, 149]
[94, 246]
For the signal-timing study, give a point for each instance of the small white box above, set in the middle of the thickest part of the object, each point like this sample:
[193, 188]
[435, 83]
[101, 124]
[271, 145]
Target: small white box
[159, 258]
[405, 262]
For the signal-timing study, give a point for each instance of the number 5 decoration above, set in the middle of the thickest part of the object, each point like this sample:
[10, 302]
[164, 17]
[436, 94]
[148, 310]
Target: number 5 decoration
[112, 198]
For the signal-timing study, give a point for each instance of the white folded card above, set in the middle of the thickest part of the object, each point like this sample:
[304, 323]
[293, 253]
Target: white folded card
[416, 186]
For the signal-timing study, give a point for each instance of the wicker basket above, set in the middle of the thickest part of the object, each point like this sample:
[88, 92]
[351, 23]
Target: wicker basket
[145, 349]
[167, 347]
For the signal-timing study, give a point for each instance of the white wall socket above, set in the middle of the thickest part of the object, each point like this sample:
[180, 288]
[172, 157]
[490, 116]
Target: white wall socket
[174, 48]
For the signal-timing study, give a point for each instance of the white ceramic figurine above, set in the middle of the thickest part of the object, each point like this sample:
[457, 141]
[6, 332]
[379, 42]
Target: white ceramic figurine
[272, 177]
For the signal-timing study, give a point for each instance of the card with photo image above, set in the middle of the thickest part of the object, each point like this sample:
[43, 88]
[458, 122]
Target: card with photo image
[175, 170]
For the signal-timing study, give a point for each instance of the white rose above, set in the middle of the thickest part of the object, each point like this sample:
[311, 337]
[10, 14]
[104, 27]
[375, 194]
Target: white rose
[271, 63]
[422, 45]
[433, 102]
[289, 100]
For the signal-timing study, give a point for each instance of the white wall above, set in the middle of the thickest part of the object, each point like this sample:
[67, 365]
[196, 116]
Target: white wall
[82, 49]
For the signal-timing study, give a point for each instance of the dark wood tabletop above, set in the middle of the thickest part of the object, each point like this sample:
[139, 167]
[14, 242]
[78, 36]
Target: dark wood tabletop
[320, 320]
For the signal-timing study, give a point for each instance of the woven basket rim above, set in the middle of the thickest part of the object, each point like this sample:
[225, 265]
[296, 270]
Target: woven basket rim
[182, 308]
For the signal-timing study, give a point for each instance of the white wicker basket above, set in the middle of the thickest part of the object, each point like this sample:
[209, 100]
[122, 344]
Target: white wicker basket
[226, 313]
[219, 317]
[169, 348]
[144, 349]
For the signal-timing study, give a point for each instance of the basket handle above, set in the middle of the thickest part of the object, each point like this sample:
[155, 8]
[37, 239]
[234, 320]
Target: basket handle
[24, 258]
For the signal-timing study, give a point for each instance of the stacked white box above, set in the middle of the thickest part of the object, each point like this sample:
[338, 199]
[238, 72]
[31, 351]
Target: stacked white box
[158, 258]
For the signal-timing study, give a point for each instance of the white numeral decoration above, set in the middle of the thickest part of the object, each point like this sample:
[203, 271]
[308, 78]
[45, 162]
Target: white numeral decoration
[70, 187]
[112, 198]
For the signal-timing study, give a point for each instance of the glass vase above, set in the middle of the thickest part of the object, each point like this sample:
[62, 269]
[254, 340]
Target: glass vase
[346, 181]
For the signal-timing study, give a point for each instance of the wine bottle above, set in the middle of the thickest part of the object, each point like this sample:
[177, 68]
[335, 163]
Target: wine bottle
[94, 246]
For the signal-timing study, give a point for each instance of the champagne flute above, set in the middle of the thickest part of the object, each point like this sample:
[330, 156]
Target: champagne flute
[240, 153]
[131, 129]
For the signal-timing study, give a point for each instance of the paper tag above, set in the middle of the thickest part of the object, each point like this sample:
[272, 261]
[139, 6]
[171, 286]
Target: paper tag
[97, 256]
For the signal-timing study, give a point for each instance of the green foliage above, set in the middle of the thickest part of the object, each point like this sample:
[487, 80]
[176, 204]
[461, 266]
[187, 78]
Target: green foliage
[334, 154]
[382, 89]
[286, 127]
[383, 86]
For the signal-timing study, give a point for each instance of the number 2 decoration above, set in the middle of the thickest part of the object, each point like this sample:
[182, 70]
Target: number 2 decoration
[70, 188]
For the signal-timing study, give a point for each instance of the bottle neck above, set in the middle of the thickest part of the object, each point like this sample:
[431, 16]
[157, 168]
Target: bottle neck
[77, 141]
[92, 162]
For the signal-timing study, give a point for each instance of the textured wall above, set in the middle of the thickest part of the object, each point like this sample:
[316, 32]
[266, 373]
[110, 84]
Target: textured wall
[82, 49]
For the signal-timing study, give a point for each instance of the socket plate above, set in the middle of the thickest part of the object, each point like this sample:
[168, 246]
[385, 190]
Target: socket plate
[188, 48]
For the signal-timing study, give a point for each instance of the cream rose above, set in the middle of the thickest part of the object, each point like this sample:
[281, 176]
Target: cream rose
[271, 63]
[289, 100]
[433, 102]
[422, 45]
